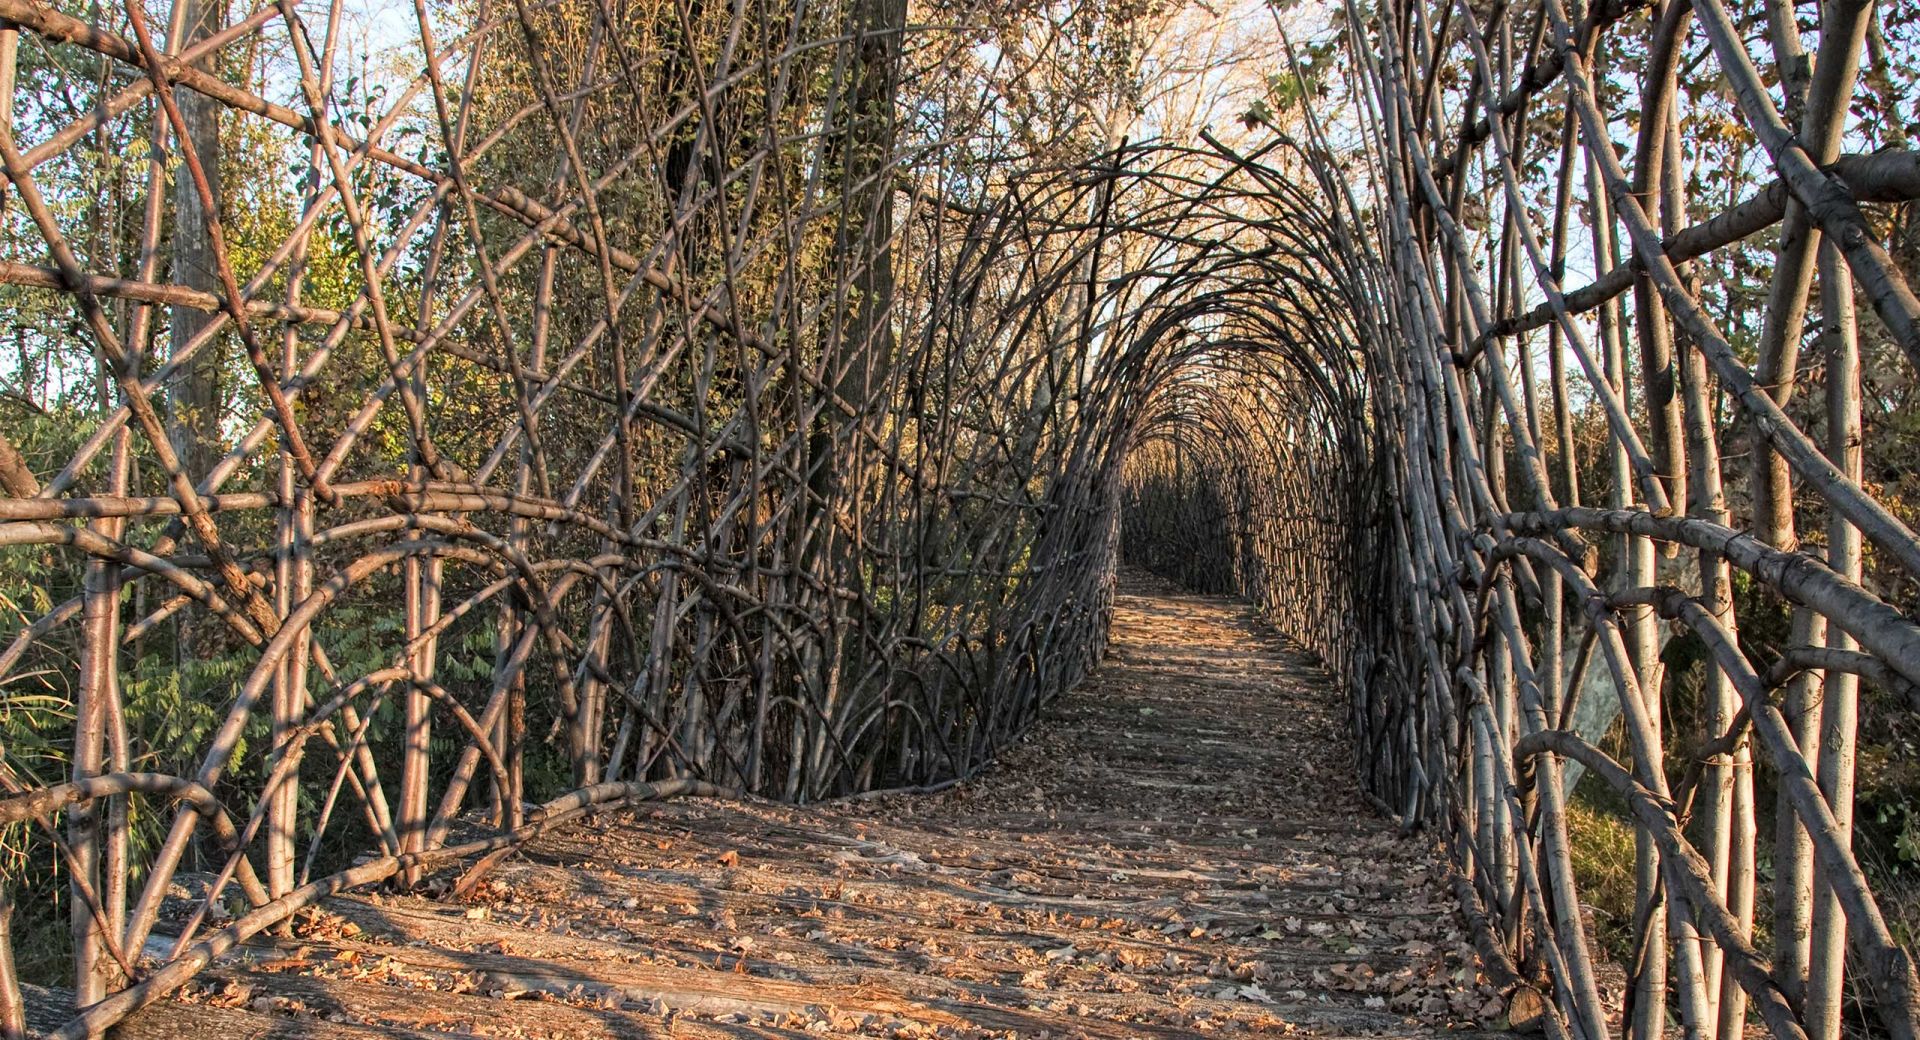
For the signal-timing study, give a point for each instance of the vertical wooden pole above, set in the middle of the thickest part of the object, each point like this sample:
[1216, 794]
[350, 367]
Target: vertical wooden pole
[1839, 713]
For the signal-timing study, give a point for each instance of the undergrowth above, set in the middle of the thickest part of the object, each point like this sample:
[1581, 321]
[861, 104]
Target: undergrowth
[1600, 845]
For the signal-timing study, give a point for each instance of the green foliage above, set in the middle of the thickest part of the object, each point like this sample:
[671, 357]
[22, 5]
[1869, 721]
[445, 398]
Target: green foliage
[1903, 820]
[1311, 78]
[1601, 845]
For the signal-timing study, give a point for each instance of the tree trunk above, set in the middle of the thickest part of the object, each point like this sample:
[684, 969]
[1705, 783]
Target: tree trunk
[194, 400]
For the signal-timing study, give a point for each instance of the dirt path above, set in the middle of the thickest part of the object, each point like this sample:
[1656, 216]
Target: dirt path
[1178, 851]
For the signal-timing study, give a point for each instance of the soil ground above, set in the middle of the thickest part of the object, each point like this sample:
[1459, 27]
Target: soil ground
[1177, 850]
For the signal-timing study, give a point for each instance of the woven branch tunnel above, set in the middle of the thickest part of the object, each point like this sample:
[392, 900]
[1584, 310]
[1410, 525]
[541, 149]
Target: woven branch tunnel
[638, 399]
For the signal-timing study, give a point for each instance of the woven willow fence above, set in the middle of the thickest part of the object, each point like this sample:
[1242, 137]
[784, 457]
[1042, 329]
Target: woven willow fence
[651, 400]
[605, 443]
[1551, 478]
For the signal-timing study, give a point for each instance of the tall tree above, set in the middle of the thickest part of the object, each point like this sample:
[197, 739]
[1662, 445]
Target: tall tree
[194, 402]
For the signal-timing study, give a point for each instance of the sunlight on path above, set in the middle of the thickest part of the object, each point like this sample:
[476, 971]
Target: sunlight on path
[1178, 851]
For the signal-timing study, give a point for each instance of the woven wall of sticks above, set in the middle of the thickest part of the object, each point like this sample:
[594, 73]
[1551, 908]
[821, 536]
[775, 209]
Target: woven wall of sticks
[429, 426]
[1561, 538]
